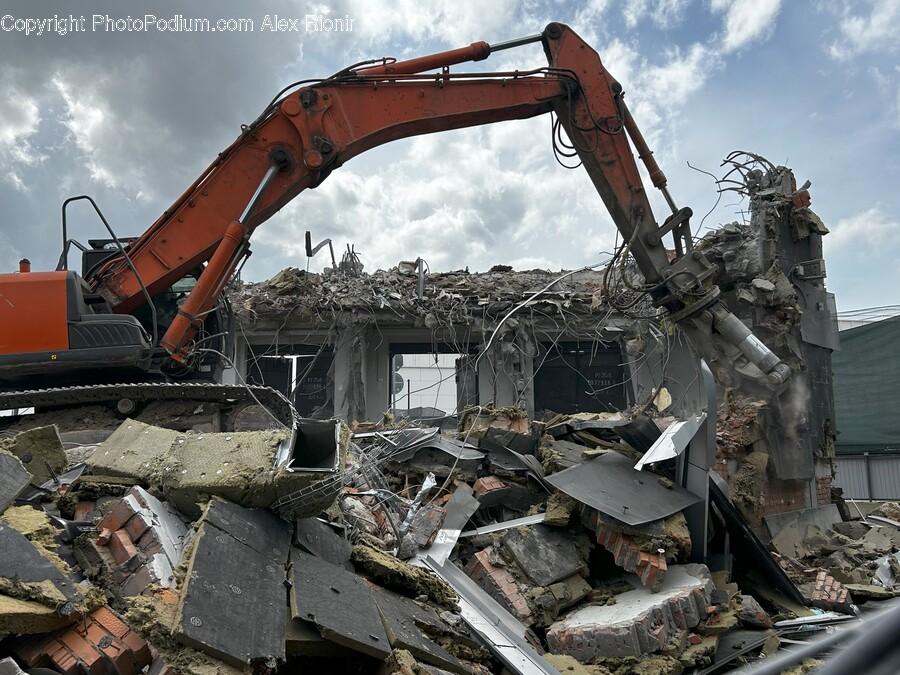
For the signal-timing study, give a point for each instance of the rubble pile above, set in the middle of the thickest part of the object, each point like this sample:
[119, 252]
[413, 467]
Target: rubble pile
[393, 296]
[462, 550]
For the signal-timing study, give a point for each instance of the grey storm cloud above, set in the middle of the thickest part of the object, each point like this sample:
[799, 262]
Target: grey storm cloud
[132, 117]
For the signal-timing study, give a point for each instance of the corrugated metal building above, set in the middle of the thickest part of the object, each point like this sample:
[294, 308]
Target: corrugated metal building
[867, 408]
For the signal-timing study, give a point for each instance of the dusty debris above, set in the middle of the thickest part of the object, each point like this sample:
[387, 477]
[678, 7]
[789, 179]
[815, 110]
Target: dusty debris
[401, 577]
[40, 451]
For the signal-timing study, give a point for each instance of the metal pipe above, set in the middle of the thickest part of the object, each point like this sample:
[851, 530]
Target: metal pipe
[517, 42]
[477, 51]
[257, 196]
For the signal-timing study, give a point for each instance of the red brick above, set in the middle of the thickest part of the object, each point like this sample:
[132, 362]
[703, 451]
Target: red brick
[120, 513]
[148, 544]
[84, 509]
[138, 525]
[121, 547]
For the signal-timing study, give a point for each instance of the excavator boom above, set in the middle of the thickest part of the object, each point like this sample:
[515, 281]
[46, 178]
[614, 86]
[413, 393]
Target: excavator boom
[301, 138]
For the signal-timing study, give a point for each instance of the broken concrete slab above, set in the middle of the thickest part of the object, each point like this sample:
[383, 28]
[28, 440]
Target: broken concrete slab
[610, 484]
[823, 517]
[402, 619]
[545, 554]
[315, 537]
[339, 603]
[40, 451]
[640, 622]
[188, 467]
[231, 605]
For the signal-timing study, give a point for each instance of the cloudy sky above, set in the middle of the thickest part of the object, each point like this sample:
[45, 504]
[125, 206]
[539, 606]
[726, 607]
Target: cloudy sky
[132, 117]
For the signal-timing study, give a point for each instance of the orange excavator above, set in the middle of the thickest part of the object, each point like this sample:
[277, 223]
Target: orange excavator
[122, 322]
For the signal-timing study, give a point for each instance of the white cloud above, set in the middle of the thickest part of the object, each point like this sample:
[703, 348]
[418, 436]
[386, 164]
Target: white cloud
[13, 178]
[746, 21]
[861, 234]
[19, 120]
[663, 13]
[474, 198]
[449, 21]
[657, 92]
[874, 28]
[85, 121]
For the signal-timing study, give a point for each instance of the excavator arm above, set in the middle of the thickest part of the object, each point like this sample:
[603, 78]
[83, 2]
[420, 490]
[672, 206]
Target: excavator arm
[299, 139]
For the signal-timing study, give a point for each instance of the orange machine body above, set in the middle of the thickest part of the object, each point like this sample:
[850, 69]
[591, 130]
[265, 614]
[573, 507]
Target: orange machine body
[33, 313]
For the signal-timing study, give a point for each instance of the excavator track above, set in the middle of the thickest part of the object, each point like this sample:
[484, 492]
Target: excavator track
[61, 397]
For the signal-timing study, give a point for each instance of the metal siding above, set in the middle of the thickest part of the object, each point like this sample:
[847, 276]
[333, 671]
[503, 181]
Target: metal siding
[885, 476]
[850, 475]
[855, 473]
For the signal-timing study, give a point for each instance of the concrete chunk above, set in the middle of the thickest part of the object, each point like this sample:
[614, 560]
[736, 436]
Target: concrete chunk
[545, 554]
[13, 479]
[40, 451]
[641, 622]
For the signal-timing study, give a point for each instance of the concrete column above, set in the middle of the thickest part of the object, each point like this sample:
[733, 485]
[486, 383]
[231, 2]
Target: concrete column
[505, 375]
[376, 374]
[349, 383]
[238, 374]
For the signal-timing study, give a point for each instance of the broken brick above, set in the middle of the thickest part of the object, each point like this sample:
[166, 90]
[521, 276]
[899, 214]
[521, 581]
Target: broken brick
[122, 548]
[499, 584]
[101, 643]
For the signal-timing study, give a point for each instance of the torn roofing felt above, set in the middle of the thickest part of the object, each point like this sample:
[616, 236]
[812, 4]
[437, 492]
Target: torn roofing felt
[610, 484]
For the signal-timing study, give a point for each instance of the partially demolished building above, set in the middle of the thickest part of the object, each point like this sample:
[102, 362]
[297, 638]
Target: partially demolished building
[596, 503]
[540, 341]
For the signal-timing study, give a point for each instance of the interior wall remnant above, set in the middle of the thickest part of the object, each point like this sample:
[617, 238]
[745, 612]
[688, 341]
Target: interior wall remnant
[772, 273]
